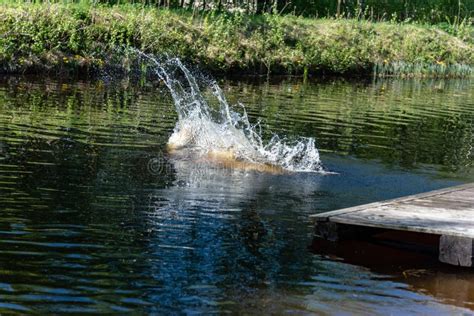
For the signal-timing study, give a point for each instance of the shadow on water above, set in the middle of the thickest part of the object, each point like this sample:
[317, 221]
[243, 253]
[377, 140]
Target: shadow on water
[96, 217]
[418, 267]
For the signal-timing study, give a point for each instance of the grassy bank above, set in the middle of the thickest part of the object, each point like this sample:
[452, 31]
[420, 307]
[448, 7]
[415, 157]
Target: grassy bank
[83, 38]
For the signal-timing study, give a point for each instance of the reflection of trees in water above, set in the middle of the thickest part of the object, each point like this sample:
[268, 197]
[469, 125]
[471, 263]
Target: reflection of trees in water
[77, 157]
[81, 155]
[406, 122]
[162, 234]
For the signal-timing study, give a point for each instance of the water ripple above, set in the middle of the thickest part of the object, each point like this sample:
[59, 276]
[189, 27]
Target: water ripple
[89, 223]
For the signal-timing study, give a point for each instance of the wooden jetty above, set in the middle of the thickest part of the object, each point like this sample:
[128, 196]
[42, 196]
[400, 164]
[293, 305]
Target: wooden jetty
[446, 214]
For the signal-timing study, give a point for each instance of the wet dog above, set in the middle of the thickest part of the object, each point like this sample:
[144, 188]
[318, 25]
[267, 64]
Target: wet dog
[233, 152]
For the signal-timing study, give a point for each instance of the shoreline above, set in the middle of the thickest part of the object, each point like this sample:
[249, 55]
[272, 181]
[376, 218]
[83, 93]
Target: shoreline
[236, 78]
[71, 39]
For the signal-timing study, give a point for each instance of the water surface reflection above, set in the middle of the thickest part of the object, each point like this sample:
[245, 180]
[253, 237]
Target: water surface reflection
[96, 217]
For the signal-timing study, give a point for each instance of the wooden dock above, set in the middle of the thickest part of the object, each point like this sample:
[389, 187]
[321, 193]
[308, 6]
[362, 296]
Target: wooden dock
[447, 214]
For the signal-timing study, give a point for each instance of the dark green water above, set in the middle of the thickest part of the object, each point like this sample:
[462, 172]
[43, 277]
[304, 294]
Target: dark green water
[95, 217]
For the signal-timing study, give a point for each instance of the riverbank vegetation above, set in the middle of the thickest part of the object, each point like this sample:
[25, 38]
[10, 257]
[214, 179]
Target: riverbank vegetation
[426, 11]
[83, 38]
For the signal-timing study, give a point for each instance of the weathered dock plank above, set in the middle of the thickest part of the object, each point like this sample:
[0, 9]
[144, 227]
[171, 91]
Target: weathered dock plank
[448, 213]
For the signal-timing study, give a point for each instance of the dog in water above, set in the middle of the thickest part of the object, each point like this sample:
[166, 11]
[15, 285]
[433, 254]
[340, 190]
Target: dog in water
[226, 147]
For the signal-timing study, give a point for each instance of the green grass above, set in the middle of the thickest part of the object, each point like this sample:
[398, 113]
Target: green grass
[68, 38]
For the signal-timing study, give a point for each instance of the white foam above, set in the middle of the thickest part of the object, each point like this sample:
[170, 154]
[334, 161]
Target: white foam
[204, 130]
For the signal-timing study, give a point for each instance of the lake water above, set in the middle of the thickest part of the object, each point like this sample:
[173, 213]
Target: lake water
[97, 217]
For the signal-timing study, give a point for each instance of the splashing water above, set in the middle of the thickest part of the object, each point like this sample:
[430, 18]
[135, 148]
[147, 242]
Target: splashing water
[221, 132]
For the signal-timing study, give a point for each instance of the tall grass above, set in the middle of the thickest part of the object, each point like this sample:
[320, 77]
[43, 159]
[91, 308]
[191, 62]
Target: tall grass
[83, 38]
[424, 11]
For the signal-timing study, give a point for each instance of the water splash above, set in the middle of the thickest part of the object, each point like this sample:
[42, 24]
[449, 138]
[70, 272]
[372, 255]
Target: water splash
[222, 133]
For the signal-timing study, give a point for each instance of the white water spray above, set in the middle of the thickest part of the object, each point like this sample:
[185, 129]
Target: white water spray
[222, 132]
